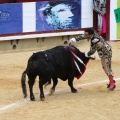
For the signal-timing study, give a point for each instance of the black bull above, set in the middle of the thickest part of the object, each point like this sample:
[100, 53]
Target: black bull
[62, 62]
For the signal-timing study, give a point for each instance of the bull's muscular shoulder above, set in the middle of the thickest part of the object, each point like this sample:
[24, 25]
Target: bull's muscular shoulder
[73, 48]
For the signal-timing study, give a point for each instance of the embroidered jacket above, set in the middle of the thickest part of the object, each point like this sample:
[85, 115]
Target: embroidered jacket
[97, 43]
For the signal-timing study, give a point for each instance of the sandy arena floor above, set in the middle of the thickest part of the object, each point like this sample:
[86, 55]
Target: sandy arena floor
[92, 102]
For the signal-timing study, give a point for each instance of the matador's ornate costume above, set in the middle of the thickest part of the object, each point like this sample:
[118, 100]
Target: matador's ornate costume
[104, 50]
[98, 44]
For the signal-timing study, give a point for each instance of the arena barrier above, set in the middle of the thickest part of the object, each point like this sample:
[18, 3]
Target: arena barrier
[35, 41]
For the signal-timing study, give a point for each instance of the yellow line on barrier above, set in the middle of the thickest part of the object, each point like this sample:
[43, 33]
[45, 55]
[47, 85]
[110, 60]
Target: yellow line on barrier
[118, 24]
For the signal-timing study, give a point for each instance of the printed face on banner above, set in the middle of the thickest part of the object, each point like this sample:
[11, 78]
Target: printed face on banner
[58, 15]
[10, 18]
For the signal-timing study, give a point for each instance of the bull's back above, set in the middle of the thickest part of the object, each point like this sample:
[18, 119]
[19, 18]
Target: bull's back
[59, 57]
[52, 61]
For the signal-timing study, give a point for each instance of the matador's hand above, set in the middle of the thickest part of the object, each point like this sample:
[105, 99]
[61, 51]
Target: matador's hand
[72, 41]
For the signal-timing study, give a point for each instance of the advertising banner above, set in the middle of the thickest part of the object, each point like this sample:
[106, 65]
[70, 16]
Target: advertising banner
[10, 18]
[118, 24]
[47, 16]
[58, 15]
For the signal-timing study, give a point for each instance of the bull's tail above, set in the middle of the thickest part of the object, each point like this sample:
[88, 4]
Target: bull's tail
[23, 84]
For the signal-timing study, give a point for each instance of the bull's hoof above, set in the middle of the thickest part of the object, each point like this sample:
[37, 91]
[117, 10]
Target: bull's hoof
[111, 89]
[108, 85]
[52, 90]
[32, 98]
[42, 98]
[74, 90]
[25, 96]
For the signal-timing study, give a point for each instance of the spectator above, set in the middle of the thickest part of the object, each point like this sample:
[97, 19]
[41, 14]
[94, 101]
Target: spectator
[100, 7]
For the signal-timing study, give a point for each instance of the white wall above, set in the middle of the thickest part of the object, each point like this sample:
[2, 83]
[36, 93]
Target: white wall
[87, 13]
[113, 26]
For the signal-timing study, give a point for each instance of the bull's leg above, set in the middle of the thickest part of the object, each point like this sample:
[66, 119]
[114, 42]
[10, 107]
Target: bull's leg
[31, 82]
[52, 90]
[42, 81]
[70, 83]
[42, 97]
